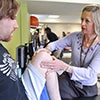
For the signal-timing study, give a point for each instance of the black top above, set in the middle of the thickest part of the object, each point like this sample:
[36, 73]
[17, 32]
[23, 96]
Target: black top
[52, 37]
[11, 88]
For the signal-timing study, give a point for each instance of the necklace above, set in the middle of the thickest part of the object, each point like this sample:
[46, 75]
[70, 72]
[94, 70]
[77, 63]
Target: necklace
[87, 42]
[81, 63]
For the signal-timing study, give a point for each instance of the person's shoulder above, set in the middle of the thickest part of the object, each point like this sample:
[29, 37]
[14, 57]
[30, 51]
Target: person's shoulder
[2, 48]
[76, 33]
[53, 33]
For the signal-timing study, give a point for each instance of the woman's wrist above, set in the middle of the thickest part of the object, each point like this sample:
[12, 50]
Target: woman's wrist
[69, 69]
[48, 48]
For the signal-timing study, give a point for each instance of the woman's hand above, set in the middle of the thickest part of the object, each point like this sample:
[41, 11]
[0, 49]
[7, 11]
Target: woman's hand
[54, 65]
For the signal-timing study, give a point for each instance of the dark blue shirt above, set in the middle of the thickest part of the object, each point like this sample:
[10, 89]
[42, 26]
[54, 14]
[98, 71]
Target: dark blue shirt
[11, 88]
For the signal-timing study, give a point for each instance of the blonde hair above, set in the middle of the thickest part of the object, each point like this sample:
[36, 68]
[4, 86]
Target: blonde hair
[8, 8]
[95, 9]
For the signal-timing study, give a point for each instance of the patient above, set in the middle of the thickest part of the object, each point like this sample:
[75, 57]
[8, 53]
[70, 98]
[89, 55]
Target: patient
[38, 82]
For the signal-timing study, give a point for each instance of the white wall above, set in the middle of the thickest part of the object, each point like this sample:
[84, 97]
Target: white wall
[59, 28]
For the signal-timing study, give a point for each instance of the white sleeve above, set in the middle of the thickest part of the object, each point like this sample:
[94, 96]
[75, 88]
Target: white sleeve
[88, 76]
[33, 82]
[84, 75]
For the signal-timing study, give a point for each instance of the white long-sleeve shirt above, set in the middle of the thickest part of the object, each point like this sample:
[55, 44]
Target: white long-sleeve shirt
[87, 74]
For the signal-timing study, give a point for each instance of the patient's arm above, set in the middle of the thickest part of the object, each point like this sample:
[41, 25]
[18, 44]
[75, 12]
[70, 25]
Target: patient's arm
[51, 77]
[52, 86]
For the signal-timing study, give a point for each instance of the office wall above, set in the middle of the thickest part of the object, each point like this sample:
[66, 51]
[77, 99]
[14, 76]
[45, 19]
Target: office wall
[25, 24]
[58, 28]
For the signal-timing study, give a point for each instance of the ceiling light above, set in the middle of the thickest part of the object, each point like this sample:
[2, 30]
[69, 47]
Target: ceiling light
[53, 16]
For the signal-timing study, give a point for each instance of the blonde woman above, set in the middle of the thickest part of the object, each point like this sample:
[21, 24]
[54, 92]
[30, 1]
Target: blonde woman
[79, 79]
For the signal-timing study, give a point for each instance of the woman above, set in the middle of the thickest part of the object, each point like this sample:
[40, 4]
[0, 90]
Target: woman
[80, 78]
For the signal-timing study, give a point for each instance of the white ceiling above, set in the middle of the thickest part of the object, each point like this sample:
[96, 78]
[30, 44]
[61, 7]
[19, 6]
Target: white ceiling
[69, 11]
